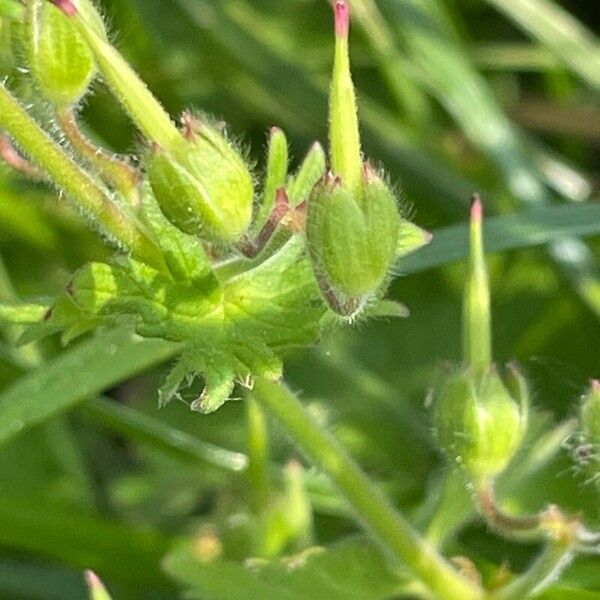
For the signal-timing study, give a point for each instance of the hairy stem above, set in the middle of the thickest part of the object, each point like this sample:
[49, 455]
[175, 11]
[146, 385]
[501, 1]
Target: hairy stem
[143, 108]
[257, 441]
[380, 519]
[501, 521]
[117, 224]
[113, 170]
[16, 162]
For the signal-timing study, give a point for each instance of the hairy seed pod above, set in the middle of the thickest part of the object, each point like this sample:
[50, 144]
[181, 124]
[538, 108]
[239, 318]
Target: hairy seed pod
[480, 422]
[352, 238]
[60, 59]
[203, 185]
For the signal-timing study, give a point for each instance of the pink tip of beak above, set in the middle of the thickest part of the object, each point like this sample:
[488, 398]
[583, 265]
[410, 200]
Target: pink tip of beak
[66, 6]
[476, 208]
[92, 580]
[596, 385]
[342, 18]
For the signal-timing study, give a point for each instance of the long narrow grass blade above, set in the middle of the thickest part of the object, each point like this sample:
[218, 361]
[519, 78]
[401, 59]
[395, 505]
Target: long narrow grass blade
[568, 39]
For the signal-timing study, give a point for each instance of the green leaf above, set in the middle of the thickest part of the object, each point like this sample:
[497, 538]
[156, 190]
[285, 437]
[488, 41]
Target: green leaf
[35, 581]
[76, 375]
[444, 67]
[350, 570]
[82, 540]
[51, 389]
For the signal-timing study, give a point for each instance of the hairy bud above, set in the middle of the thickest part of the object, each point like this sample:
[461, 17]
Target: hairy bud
[479, 423]
[203, 185]
[60, 59]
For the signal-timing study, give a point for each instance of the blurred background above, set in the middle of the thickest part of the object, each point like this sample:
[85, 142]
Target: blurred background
[499, 96]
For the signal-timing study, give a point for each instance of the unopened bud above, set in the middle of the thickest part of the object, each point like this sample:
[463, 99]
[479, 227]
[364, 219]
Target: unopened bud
[478, 423]
[203, 185]
[60, 59]
[480, 419]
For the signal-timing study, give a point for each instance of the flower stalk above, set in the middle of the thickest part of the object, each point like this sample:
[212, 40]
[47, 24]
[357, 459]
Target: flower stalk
[401, 542]
[144, 109]
[115, 171]
[258, 454]
[119, 226]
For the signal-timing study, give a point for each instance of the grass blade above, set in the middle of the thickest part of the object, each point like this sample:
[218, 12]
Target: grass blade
[518, 230]
[80, 373]
[140, 427]
[572, 43]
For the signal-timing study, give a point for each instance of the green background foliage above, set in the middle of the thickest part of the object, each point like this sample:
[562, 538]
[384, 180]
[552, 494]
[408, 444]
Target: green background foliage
[455, 96]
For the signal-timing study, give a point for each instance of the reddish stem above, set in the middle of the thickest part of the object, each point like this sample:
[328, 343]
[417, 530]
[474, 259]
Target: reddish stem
[14, 160]
[282, 207]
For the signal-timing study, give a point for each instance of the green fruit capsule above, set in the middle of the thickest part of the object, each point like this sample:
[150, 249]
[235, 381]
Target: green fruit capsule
[203, 185]
[353, 223]
[352, 237]
[479, 423]
[60, 59]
